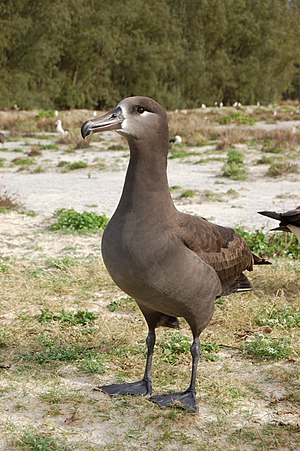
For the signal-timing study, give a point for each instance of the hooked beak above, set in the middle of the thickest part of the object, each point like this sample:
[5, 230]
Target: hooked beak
[110, 121]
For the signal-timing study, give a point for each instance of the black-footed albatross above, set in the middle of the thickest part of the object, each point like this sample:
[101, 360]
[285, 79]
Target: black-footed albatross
[173, 264]
[289, 221]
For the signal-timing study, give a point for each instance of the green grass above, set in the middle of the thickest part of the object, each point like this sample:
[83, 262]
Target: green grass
[22, 161]
[268, 348]
[188, 194]
[234, 167]
[81, 317]
[34, 441]
[73, 221]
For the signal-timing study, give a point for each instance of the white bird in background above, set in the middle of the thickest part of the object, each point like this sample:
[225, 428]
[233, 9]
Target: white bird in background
[176, 140]
[59, 128]
[203, 106]
[56, 113]
[94, 113]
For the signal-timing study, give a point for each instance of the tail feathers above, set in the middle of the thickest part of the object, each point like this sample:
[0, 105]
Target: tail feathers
[260, 261]
[270, 214]
[241, 283]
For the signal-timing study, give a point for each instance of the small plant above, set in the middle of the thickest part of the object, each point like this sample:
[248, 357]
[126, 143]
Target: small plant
[275, 244]
[82, 317]
[77, 165]
[210, 196]
[175, 344]
[234, 167]
[280, 168]
[92, 363]
[72, 166]
[188, 194]
[2, 161]
[121, 303]
[209, 351]
[285, 317]
[61, 263]
[264, 160]
[22, 161]
[181, 153]
[267, 348]
[35, 441]
[71, 220]
[8, 202]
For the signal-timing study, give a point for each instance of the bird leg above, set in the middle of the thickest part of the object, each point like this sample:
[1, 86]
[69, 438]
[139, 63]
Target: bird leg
[142, 387]
[186, 400]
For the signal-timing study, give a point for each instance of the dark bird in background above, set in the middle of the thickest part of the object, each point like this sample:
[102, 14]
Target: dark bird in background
[289, 221]
[2, 138]
[173, 264]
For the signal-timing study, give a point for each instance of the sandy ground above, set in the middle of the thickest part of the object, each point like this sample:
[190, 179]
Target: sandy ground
[100, 189]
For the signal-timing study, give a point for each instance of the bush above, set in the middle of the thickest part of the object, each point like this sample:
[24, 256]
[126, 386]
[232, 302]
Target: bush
[71, 220]
[273, 244]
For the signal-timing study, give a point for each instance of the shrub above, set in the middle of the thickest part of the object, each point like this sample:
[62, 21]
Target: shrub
[234, 167]
[275, 244]
[71, 220]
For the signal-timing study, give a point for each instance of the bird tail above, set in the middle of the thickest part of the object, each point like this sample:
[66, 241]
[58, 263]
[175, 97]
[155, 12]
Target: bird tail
[260, 261]
[241, 283]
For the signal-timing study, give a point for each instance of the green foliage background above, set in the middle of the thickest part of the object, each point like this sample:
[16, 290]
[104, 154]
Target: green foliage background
[92, 53]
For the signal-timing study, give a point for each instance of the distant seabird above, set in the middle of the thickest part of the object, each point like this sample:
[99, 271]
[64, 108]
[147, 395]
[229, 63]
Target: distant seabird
[289, 221]
[176, 140]
[173, 264]
[2, 138]
[59, 128]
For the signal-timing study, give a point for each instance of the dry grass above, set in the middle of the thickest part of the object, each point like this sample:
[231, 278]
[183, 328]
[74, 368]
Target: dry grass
[238, 396]
[9, 201]
[231, 136]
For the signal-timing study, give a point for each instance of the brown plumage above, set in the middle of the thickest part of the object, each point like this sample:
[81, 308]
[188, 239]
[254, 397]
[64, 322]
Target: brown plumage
[173, 264]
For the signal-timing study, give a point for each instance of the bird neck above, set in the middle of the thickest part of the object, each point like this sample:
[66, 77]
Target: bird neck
[146, 183]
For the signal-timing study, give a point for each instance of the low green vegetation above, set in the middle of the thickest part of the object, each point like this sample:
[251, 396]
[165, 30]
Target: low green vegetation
[81, 317]
[35, 441]
[278, 244]
[22, 161]
[268, 348]
[73, 221]
[67, 166]
[234, 167]
[125, 303]
[188, 194]
[285, 317]
[45, 114]
[238, 118]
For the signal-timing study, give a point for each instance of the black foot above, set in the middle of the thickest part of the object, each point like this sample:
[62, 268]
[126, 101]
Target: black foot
[186, 400]
[142, 388]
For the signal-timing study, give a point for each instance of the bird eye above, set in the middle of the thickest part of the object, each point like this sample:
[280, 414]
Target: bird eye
[140, 109]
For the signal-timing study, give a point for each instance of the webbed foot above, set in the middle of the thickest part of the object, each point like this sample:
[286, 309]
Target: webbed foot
[142, 388]
[186, 400]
